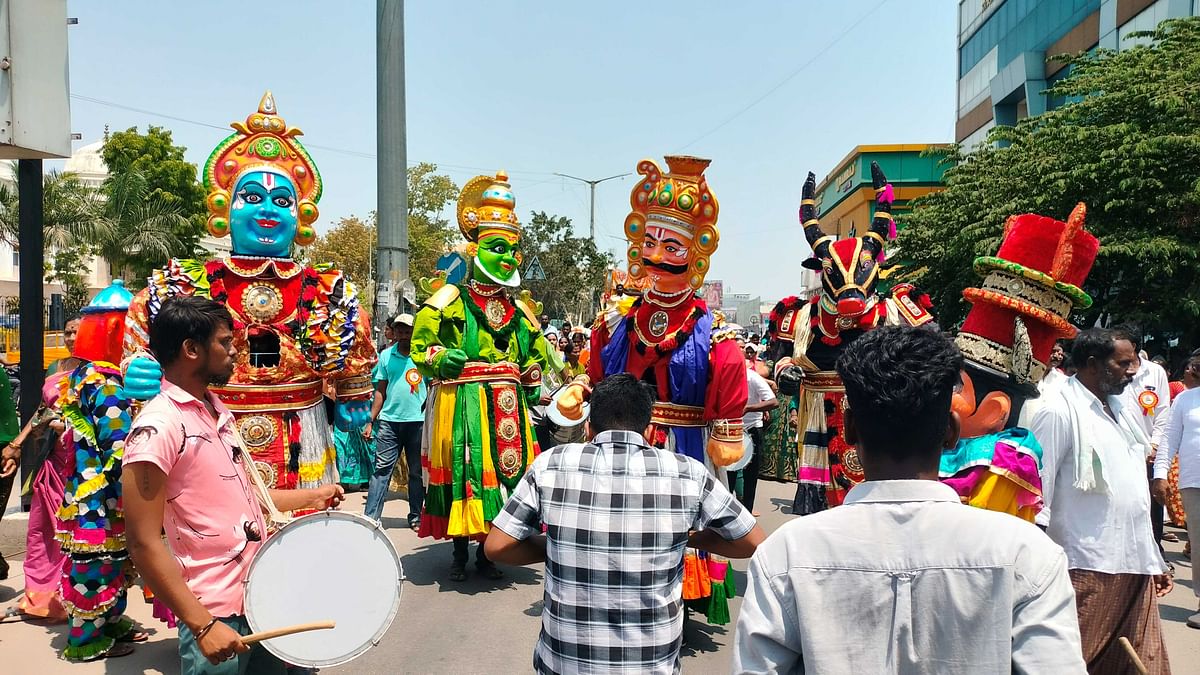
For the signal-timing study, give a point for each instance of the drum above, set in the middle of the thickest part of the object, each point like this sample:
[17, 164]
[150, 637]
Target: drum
[326, 566]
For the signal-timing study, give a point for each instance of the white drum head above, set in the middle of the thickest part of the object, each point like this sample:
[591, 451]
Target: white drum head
[329, 566]
[747, 454]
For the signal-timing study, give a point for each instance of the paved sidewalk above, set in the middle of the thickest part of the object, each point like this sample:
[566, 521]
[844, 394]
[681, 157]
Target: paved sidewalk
[477, 626]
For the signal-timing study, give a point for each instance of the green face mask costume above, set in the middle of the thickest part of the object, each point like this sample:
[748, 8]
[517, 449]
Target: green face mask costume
[486, 354]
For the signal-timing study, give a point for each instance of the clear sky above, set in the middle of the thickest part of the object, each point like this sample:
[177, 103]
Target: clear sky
[767, 90]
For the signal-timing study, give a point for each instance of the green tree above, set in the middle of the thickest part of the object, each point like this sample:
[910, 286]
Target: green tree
[430, 233]
[170, 183]
[141, 227]
[351, 246]
[1128, 145]
[574, 267]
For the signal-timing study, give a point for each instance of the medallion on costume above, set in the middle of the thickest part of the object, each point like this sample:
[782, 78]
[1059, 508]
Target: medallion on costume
[1030, 287]
[806, 338]
[295, 325]
[668, 338]
[485, 353]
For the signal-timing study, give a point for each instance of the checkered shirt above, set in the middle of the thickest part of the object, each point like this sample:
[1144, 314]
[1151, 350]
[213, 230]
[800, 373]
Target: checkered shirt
[617, 514]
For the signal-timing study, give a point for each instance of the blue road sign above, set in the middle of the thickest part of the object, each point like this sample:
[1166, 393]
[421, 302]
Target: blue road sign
[455, 266]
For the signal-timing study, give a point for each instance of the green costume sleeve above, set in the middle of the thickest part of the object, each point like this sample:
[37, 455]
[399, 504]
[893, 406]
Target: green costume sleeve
[434, 331]
[9, 425]
[539, 353]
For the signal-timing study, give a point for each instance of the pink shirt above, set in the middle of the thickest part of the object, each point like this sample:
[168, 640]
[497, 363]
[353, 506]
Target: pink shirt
[213, 522]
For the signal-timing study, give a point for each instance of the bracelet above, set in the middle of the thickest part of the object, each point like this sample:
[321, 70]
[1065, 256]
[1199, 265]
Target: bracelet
[204, 631]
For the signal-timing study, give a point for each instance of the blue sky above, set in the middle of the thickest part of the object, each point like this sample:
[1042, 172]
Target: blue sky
[767, 90]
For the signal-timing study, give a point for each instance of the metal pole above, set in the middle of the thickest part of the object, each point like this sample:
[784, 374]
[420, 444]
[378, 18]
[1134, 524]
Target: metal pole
[30, 236]
[592, 220]
[592, 184]
[392, 216]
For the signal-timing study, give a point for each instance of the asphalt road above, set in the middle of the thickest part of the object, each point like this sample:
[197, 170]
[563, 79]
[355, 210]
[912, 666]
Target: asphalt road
[477, 626]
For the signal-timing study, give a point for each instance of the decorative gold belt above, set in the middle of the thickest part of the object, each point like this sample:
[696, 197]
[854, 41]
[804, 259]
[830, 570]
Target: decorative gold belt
[823, 381]
[486, 372]
[676, 415]
[252, 397]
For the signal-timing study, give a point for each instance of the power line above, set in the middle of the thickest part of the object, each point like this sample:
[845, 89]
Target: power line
[787, 79]
[327, 148]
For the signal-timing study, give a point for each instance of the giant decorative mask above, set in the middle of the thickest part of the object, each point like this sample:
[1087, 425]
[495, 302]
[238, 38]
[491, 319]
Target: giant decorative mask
[263, 186]
[849, 267]
[672, 230]
[102, 326]
[487, 218]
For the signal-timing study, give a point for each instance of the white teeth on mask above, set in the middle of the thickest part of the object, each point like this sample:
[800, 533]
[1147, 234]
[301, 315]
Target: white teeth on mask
[266, 240]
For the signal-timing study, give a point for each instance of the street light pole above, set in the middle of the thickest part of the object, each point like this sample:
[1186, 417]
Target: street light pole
[592, 184]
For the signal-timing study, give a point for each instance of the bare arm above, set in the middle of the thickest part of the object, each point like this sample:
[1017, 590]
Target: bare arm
[743, 547]
[377, 399]
[503, 548]
[326, 496]
[145, 496]
[766, 406]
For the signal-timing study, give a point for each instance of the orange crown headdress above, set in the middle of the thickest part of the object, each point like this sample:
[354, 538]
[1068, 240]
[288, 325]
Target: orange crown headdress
[264, 142]
[486, 206]
[680, 201]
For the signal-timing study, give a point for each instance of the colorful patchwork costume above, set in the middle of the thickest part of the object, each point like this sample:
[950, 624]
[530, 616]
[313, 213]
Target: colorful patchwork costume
[295, 326]
[97, 414]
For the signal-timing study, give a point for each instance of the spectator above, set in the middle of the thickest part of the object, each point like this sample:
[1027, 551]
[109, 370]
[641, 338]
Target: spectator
[1054, 376]
[548, 328]
[183, 444]
[1149, 396]
[1094, 452]
[398, 407]
[903, 577]
[1182, 445]
[760, 400]
[618, 514]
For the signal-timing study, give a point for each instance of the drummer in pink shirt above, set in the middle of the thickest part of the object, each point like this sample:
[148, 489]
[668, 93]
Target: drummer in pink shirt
[183, 474]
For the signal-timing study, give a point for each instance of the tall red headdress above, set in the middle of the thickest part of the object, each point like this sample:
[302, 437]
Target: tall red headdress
[1029, 289]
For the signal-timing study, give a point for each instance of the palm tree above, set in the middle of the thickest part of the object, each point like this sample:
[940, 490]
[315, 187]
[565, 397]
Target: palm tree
[141, 225]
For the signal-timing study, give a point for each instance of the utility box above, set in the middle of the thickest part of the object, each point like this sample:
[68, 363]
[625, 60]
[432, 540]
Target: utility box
[35, 108]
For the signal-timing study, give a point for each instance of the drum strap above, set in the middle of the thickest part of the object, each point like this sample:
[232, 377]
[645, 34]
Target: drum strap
[275, 517]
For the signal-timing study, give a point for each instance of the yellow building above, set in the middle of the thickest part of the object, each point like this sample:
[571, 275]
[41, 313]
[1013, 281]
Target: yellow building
[846, 198]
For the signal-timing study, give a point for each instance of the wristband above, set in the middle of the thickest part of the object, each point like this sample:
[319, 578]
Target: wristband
[204, 631]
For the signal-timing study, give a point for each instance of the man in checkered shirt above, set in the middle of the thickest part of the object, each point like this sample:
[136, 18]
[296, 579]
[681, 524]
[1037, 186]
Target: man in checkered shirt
[618, 515]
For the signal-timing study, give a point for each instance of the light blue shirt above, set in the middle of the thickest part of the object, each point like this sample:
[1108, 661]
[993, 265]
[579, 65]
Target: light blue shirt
[406, 389]
[902, 578]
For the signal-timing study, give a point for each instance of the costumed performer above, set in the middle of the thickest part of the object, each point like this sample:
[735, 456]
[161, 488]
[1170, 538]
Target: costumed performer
[97, 413]
[486, 354]
[44, 558]
[1030, 287]
[810, 335]
[669, 339]
[295, 326]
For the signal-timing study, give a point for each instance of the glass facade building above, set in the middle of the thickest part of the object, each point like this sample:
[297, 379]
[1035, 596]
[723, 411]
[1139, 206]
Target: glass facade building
[1003, 47]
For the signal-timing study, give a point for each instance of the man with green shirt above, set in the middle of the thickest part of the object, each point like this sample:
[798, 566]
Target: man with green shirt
[397, 411]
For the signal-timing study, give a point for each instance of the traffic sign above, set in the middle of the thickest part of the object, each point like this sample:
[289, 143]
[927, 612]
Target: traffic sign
[455, 266]
[535, 272]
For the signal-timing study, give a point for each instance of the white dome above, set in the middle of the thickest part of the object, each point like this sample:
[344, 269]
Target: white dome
[88, 162]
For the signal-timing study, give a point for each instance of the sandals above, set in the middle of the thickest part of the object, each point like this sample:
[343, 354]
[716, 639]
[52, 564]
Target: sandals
[136, 635]
[458, 571]
[116, 651]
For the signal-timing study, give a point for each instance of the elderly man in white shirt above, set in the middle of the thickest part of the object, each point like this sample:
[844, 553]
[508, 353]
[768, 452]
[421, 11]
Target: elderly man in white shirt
[1094, 451]
[903, 577]
[1182, 439]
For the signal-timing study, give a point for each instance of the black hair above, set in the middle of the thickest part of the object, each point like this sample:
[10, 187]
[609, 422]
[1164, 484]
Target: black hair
[1128, 331]
[1099, 343]
[73, 316]
[185, 317]
[899, 383]
[621, 402]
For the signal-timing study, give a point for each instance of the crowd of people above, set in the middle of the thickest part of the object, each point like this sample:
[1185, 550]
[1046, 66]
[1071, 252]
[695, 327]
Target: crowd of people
[986, 499]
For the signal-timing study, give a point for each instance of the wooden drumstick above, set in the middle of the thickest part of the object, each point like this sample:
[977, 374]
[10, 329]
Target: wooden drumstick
[1133, 656]
[287, 630]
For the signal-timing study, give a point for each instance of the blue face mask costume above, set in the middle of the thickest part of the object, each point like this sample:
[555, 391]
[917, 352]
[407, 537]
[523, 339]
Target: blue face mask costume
[263, 216]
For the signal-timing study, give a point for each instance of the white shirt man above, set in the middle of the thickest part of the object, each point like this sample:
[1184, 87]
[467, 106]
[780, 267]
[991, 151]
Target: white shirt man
[1149, 396]
[1182, 439]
